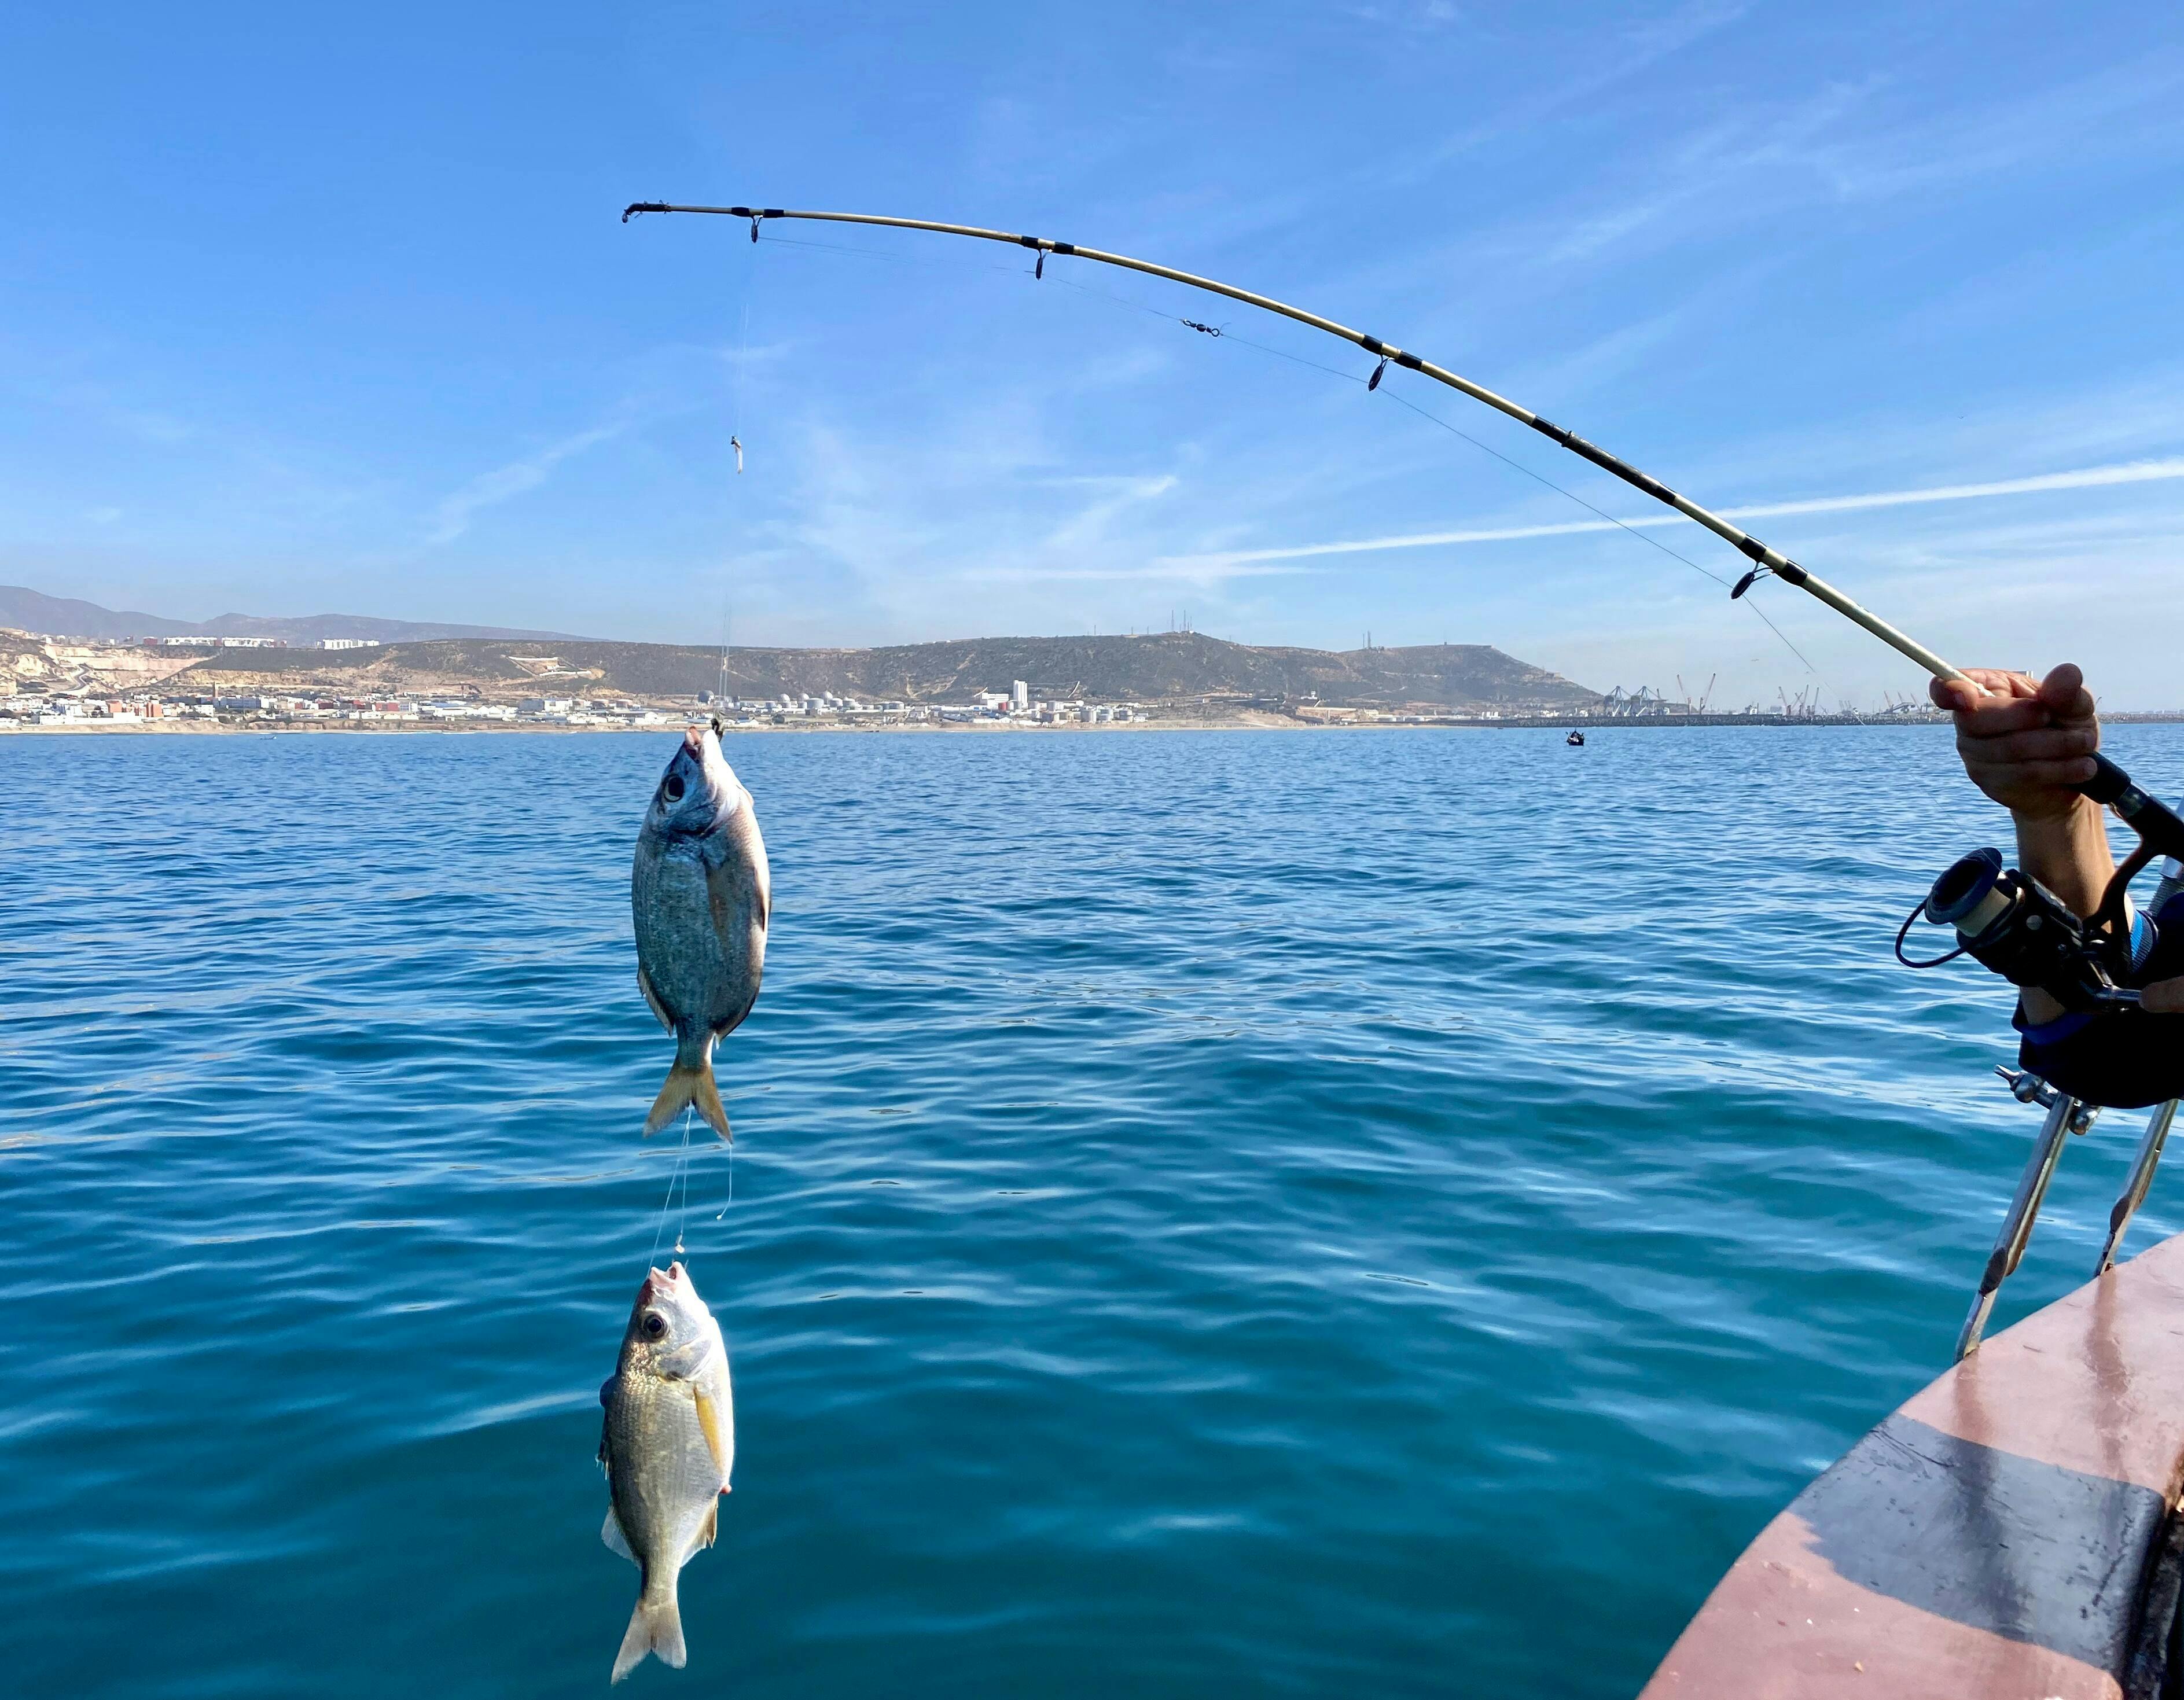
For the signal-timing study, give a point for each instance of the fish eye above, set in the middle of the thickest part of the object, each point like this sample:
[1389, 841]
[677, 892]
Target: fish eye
[653, 1325]
[673, 787]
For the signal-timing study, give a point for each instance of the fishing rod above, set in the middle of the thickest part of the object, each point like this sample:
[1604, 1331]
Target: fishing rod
[2161, 828]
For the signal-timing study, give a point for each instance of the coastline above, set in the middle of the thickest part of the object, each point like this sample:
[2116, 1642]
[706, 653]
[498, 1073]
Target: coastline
[200, 728]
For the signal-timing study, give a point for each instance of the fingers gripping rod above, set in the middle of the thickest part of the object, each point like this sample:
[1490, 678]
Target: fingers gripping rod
[2110, 784]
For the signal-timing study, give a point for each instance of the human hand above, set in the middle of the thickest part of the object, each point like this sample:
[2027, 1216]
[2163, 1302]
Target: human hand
[2027, 743]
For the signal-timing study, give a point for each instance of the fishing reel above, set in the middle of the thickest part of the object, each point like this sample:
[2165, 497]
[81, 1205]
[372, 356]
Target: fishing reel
[2008, 922]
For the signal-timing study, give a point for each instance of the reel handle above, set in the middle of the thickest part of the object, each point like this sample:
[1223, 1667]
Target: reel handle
[2153, 820]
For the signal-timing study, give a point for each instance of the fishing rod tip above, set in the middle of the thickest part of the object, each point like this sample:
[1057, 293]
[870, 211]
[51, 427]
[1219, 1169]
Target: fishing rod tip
[634, 208]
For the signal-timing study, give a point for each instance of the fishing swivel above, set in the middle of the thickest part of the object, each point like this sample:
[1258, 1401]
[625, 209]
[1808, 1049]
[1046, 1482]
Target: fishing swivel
[1210, 330]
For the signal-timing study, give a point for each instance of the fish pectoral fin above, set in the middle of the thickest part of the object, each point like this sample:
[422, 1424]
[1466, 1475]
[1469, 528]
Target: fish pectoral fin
[644, 986]
[726, 893]
[709, 1419]
[616, 1541]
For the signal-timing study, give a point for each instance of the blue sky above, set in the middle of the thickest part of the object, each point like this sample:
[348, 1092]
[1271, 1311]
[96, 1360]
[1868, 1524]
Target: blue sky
[316, 309]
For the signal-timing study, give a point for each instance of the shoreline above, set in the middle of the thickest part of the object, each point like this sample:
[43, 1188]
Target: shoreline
[1270, 723]
[1245, 720]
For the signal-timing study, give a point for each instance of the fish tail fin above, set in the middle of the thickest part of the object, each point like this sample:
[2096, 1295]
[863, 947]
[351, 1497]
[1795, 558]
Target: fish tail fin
[655, 1627]
[689, 1085]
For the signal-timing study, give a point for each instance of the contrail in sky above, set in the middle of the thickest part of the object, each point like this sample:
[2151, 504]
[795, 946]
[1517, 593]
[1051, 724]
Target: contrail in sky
[2086, 478]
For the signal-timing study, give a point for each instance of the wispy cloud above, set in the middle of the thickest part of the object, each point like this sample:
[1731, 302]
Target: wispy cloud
[1620, 56]
[2084, 478]
[1184, 570]
[452, 517]
[1852, 142]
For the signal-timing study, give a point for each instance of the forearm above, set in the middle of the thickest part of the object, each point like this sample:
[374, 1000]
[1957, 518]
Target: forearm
[2068, 853]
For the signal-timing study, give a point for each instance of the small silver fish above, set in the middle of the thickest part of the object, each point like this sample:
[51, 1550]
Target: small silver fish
[667, 1445]
[700, 893]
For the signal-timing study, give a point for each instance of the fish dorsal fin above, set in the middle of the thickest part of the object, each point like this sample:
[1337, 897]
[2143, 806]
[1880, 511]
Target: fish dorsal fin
[610, 1532]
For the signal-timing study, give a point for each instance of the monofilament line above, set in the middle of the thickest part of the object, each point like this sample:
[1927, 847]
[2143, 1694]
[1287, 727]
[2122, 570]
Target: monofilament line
[682, 1156]
[1228, 336]
[1766, 561]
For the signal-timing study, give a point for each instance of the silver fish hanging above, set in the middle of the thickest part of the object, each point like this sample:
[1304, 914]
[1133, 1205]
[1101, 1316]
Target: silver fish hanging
[699, 895]
[667, 1445]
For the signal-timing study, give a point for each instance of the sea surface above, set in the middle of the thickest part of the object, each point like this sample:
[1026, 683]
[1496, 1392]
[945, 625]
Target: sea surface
[1365, 1214]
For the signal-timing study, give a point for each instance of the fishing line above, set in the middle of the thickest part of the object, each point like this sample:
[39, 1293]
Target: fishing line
[681, 1158]
[743, 372]
[736, 442]
[743, 364]
[896, 259]
[1672, 555]
[1220, 332]
[683, 1165]
[1223, 333]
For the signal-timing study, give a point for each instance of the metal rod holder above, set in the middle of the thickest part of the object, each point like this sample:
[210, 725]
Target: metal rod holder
[2142, 1177]
[2065, 1115]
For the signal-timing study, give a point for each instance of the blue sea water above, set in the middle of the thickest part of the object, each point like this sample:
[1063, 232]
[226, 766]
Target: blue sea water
[1231, 1213]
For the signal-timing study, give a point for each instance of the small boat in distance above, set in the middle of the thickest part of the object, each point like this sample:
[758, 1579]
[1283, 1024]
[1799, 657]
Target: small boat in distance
[1575, 740]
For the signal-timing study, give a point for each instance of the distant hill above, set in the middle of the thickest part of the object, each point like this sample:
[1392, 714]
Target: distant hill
[64, 617]
[1158, 666]
[1155, 667]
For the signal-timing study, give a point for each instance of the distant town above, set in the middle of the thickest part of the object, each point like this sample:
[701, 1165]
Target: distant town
[107, 697]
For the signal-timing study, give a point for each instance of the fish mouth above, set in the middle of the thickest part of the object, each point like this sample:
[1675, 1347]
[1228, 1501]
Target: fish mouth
[662, 1282]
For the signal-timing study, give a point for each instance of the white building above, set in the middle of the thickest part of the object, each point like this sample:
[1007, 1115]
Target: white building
[346, 644]
[1019, 695]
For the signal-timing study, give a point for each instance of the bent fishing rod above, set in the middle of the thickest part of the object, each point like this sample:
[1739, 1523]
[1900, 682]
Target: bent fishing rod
[2161, 828]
